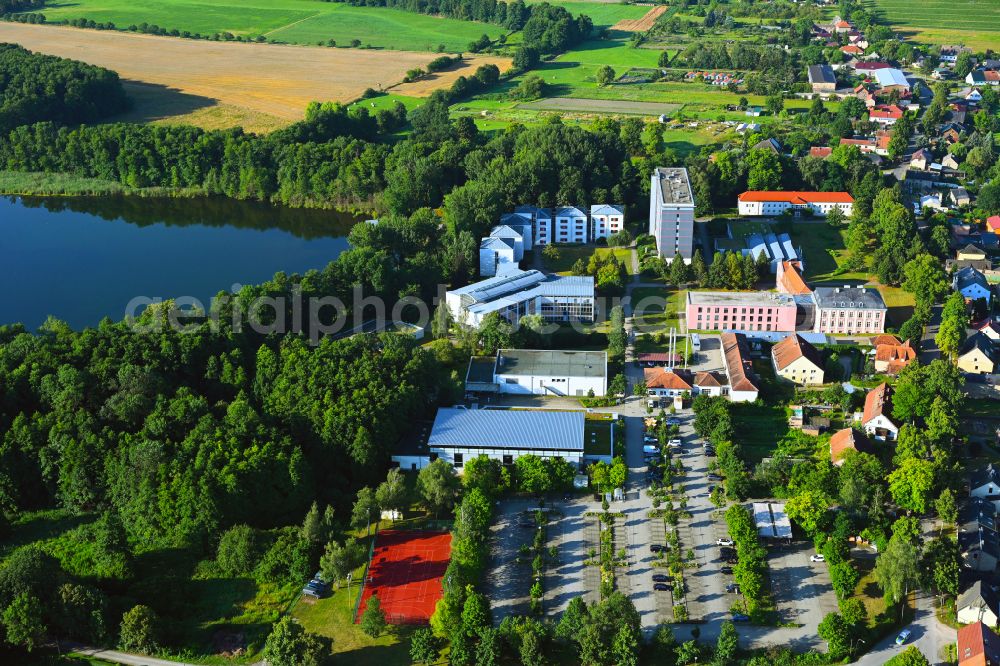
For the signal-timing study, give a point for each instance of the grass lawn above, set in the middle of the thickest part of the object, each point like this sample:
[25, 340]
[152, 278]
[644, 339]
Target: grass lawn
[900, 304]
[333, 617]
[656, 309]
[601, 13]
[293, 21]
[568, 255]
[758, 429]
[823, 248]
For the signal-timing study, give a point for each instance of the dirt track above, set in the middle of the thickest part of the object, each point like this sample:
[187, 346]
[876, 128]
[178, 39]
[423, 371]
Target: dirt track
[252, 79]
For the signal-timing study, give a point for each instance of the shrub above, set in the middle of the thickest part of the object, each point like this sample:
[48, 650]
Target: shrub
[237, 554]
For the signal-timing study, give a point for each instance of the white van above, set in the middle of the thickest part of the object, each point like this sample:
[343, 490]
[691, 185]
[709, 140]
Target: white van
[695, 342]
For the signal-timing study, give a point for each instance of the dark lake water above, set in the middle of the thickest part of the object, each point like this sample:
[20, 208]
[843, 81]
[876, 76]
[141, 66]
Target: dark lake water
[81, 259]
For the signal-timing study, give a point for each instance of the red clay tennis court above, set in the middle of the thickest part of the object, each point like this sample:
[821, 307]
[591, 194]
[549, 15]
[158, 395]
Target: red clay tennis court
[405, 574]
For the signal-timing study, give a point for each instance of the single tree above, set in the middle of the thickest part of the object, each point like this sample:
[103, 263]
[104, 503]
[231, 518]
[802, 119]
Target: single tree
[373, 619]
[438, 485]
[424, 646]
[139, 630]
[24, 622]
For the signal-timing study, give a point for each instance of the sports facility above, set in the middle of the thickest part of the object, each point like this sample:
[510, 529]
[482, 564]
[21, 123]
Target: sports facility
[405, 573]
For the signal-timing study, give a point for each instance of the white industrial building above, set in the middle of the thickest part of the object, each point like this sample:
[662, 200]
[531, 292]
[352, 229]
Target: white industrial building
[671, 213]
[493, 253]
[459, 435]
[772, 521]
[514, 293]
[606, 220]
[539, 372]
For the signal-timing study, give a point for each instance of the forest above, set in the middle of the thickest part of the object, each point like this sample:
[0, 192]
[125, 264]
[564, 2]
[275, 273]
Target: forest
[36, 87]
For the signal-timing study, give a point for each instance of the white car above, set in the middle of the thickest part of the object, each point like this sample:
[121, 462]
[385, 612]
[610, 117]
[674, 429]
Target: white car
[675, 443]
[724, 542]
[817, 558]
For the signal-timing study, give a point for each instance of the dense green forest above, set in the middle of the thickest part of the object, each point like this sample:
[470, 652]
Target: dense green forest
[36, 87]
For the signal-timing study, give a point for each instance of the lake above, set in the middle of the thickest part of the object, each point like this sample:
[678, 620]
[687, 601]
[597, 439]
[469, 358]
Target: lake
[81, 259]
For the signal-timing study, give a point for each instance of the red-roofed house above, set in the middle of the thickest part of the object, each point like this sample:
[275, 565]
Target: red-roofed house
[865, 145]
[876, 419]
[885, 115]
[978, 646]
[846, 440]
[852, 49]
[993, 224]
[775, 203]
[891, 355]
[871, 66]
[820, 152]
[663, 383]
[882, 139]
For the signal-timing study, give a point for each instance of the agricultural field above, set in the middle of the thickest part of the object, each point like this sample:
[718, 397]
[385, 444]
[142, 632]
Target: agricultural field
[603, 14]
[975, 23]
[210, 84]
[293, 21]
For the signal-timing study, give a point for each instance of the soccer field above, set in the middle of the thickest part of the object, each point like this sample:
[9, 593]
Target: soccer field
[293, 21]
[975, 23]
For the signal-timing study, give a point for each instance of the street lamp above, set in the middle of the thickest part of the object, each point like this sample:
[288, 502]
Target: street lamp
[859, 640]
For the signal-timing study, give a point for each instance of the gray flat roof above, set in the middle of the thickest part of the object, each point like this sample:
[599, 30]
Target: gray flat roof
[675, 187]
[556, 363]
[480, 370]
[507, 429]
[748, 298]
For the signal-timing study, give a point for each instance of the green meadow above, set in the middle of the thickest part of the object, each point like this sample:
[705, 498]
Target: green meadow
[293, 21]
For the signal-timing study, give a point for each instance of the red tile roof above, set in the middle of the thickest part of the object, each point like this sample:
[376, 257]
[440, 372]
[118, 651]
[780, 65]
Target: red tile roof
[887, 112]
[851, 49]
[791, 349]
[977, 645]
[708, 379]
[821, 152]
[790, 281]
[845, 440]
[993, 223]
[798, 197]
[871, 66]
[737, 359]
[878, 402]
[898, 356]
[661, 378]
[658, 357]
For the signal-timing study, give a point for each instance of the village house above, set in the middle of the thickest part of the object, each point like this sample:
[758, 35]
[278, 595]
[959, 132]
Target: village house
[978, 355]
[846, 440]
[797, 361]
[978, 645]
[978, 603]
[820, 152]
[822, 79]
[983, 77]
[984, 483]
[892, 355]
[920, 159]
[743, 382]
[885, 115]
[877, 417]
[978, 542]
[971, 284]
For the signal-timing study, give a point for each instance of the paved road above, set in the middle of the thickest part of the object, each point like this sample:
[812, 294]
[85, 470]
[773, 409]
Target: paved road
[117, 657]
[929, 635]
[928, 348]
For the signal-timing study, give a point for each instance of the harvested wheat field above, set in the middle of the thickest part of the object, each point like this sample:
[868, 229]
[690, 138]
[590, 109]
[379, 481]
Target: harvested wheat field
[224, 84]
[641, 24]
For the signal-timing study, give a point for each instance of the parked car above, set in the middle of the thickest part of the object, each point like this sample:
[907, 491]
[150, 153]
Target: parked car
[817, 558]
[661, 587]
[725, 541]
[309, 592]
[661, 578]
[733, 588]
[740, 617]
[727, 570]
[710, 452]
[904, 636]
[675, 443]
[715, 477]
[655, 548]
[673, 421]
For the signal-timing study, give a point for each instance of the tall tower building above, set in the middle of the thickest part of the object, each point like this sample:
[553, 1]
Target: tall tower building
[671, 213]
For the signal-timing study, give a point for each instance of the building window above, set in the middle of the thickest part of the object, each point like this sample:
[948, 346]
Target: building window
[458, 459]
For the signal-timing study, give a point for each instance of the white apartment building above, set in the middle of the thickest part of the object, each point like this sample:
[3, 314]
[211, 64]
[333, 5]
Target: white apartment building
[569, 225]
[605, 220]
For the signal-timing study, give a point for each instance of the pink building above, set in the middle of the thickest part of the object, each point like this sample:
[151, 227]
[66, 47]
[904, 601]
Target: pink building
[849, 310]
[740, 311]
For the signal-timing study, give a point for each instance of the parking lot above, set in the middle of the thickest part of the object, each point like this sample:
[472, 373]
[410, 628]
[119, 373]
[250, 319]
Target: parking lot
[508, 582]
[802, 589]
